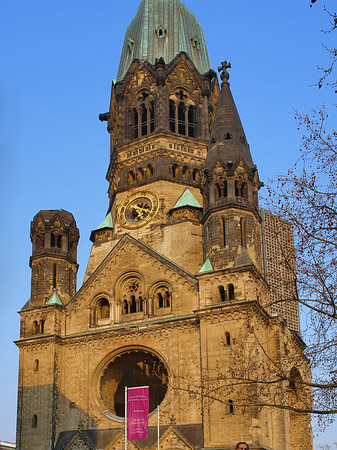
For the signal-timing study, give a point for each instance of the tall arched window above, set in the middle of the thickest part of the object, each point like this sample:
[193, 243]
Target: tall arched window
[196, 176]
[220, 189]
[241, 189]
[223, 229]
[175, 171]
[55, 240]
[182, 114]
[140, 174]
[35, 329]
[243, 231]
[34, 421]
[162, 297]
[186, 173]
[143, 116]
[132, 297]
[130, 177]
[55, 276]
[230, 292]
[41, 326]
[103, 309]
[222, 294]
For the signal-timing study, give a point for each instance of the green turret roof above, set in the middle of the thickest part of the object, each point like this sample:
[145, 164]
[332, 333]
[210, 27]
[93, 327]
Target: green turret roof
[207, 266]
[163, 28]
[54, 299]
[107, 222]
[187, 199]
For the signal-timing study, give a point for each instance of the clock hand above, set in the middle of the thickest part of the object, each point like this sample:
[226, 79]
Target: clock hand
[140, 211]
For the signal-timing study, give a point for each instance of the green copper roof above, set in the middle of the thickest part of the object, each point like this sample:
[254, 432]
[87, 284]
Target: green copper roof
[187, 199]
[163, 28]
[206, 267]
[107, 222]
[54, 299]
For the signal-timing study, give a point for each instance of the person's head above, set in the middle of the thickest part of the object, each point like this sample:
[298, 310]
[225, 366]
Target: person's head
[242, 446]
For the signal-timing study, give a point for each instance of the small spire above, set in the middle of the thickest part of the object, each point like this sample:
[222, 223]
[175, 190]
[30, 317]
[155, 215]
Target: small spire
[228, 142]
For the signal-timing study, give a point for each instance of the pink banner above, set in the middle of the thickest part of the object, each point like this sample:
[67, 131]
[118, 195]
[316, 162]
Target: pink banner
[138, 412]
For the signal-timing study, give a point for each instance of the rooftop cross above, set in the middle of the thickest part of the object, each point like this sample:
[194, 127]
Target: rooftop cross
[223, 68]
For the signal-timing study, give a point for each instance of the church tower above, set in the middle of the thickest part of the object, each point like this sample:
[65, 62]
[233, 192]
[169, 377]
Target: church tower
[182, 288]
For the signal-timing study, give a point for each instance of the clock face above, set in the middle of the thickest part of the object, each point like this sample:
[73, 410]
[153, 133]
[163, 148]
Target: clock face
[138, 209]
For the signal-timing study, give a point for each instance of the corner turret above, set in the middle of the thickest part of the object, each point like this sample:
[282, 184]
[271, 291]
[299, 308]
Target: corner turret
[54, 236]
[231, 216]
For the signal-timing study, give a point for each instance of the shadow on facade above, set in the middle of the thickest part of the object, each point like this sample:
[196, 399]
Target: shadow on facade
[49, 420]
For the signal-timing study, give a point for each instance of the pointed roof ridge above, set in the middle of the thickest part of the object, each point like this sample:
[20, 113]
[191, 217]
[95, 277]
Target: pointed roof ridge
[229, 142]
[207, 266]
[54, 299]
[243, 259]
[187, 199]
[106, 222]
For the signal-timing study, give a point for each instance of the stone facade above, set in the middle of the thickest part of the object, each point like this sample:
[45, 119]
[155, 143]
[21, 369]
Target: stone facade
[176, 293]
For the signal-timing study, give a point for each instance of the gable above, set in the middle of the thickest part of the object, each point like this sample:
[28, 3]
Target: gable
[134, 281]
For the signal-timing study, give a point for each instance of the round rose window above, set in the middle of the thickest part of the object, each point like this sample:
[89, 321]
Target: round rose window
[133, 368]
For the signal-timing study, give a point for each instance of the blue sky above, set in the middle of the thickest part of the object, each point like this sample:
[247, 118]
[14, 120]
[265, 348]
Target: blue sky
[58, 60]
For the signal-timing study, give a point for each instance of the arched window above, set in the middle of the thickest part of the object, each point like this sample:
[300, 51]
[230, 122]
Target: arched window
[133, 304]
[221, 189]
[182, 114]
[149, 171]
[140, 174]
[34, 421]
[175, 171]
[132, 298]
[191, 121]
[143, 116]
[196, 176]
[40, 241]
[217, 191]
[243, 231]
[103, 309]
[224, 188]
[241, 189]
[223, 229]
[230, 289]
[35, 329]
[186, 173]
[36, 365]
[228, 338]
[41, 326]
[222, 294]
[143, 113]
[54, 276]
[59, 241]
[163, 298]
[181, 118]
[230, 407]
[244, 192]
[130, 177]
